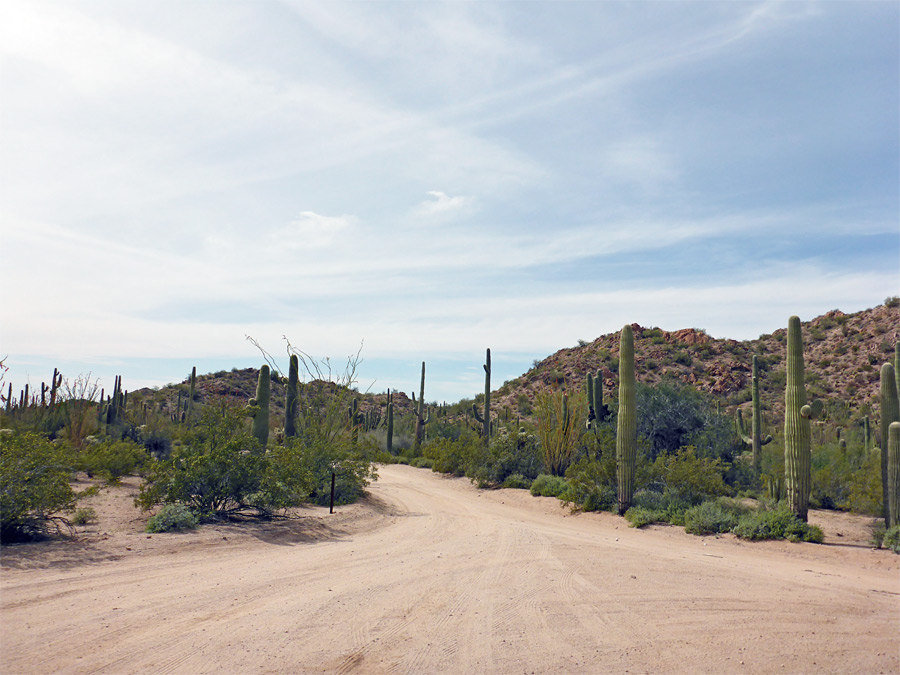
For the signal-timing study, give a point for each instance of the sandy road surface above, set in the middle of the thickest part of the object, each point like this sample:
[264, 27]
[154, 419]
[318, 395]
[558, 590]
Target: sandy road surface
[434, 576]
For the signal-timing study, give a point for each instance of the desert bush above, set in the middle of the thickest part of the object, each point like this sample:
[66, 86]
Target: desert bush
[517, 481]
[691, 477]
[865, 491]
[713, 517]
[547, 485]
[446, 455]
[592, 483]
[506, 454]
[172, 517]
[891, 539]
[84, 515]
[34, 485]
[421, 463]
[112, 459]
[777, 523]
[638, 516]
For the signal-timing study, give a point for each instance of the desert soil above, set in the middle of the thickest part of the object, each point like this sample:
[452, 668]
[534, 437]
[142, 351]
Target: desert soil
[430, 575]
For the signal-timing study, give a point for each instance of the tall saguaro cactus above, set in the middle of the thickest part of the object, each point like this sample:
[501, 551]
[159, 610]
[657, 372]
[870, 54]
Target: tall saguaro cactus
[422, 416]
[485, 420]
[260, 426]
[797, 416]
[626, 433]
[597, 410]
[893, 466]
[190, 405]
[290, 403]
[389, 422]
[890, 412]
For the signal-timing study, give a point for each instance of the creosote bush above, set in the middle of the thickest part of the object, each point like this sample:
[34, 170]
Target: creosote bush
[546, 485]
[172, 517]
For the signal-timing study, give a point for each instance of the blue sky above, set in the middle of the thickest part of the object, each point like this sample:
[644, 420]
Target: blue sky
[433, 179]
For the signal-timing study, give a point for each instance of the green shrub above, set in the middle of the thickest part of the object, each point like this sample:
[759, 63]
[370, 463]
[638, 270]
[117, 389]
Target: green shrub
[546, 485]
[713, 517]
[34, 485]
[638, 516]
[421, 463]
[112, 459]
[691, 477]
[778, 523]
[517, 481]
[592, 483]
[84, 515]
[668, 506]
[891, 539]
[172, 517]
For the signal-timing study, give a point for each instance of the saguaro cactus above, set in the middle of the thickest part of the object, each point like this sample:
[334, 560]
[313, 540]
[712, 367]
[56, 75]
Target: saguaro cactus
[193, 390]
[422, 416]
[754, 440]
[54, 386]
[389, 422]
[797, 416]
[893, 465]
[290, 403]
[890, 412]
[260, 407]
[626, 434]
[485, 421]
[597, 411]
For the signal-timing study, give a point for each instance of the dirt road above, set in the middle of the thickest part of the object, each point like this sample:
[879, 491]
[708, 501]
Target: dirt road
[431, 576]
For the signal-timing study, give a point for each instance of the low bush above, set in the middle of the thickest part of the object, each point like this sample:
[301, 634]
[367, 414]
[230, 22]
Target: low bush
[172, 517]
[84, 515]
[546, 485]
[639, 516]
[713, 517]
[777, 523]
[421, 463]
[112, 460]
[517, 481]
[891, 539]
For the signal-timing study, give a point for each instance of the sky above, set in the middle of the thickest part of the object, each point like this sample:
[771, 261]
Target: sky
[427, 180]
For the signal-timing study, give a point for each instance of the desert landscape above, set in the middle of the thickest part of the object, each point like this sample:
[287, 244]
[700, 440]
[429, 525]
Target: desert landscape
[429, 574]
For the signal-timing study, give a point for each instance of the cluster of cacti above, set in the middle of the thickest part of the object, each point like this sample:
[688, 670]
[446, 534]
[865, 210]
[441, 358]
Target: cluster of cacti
[597, 410]
[422, 413]
[626, 433]
[485, 420]
[356, 420]
[258, 407]
[116, 403]
[797, 416]
[890, 413]
[754, 440]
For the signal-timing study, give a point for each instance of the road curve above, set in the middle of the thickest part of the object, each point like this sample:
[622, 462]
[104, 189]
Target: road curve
[442, 578]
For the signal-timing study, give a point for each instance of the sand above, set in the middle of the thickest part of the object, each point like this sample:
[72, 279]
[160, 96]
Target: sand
[430, 575]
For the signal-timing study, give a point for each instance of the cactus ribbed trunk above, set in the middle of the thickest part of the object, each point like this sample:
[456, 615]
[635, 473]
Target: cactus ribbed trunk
[487, 398]
[260, 427]
[756, 423]
[890, 412]
[420, 411]
[626, 434]
[390, 423]
[290, 403]
[796, 425]
[893, 466]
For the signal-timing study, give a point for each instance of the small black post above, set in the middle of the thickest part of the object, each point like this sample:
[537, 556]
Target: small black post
[331, 506]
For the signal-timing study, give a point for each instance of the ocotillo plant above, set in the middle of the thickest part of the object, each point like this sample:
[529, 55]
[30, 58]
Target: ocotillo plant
[422, 416]
[389, 415]
[290, 404]
[485, 420]
[797, 416]
[259, 407]
[893, 465]
[626, 434]
[890, 412]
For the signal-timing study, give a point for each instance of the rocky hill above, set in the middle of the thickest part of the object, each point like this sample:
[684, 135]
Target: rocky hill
[843, 355]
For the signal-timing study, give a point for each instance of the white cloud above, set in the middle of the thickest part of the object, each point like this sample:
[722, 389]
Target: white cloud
[442, 204]
[312, 230]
